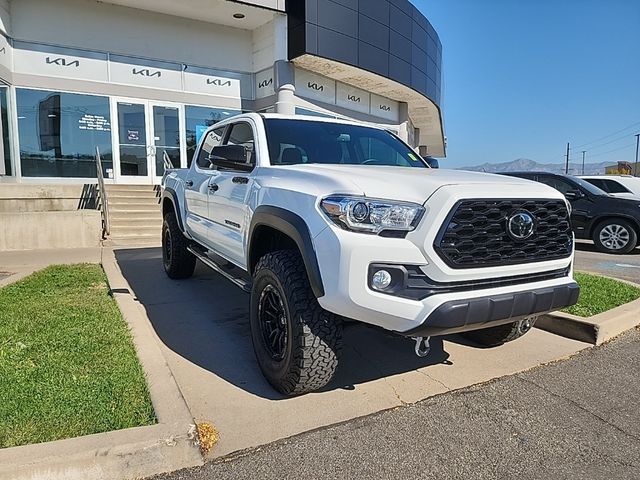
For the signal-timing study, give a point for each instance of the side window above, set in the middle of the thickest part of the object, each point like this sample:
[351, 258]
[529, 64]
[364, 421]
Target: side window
[596, 182]
[558, 184]
[242, 134]
[213, 139]
[615, 187]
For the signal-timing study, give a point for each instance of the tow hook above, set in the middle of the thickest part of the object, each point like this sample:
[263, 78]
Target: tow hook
[422, 346]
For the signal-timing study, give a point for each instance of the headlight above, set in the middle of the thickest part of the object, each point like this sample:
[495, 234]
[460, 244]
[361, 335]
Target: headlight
[370, 215]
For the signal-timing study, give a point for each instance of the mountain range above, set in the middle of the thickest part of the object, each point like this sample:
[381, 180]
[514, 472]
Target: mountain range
[525, 164]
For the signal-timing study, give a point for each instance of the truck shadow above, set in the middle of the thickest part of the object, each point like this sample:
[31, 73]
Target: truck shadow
[205, 320]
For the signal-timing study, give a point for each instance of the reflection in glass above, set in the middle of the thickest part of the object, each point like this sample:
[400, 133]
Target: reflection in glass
[166, 125]
[58, 133]
[4, 119]
[133, 139]
[198, 120]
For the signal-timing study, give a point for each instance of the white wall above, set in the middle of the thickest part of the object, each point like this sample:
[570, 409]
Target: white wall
[98, 26]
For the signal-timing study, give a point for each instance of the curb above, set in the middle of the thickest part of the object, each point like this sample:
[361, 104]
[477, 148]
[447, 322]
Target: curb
[124, 454]
[597, 329]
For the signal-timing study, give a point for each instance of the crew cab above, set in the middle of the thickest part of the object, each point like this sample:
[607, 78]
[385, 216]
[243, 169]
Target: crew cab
[323, 220]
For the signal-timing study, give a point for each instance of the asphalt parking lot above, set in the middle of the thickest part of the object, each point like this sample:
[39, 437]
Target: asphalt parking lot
[625, 267]
[573, 419]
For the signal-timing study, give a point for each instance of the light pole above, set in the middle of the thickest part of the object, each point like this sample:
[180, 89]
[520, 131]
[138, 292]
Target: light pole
[635, 165]
[583, 152]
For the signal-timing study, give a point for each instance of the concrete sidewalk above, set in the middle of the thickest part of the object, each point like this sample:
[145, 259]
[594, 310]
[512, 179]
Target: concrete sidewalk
[203, 324]
[15, 265]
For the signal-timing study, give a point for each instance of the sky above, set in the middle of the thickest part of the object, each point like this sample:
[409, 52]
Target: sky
[524, 77]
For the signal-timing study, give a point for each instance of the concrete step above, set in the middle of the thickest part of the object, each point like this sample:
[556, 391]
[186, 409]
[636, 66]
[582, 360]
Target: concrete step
[134, 200]
[135, 231]
[133, 194]
[125, 222]
[133, 242]
[135, 207]
[132, 188]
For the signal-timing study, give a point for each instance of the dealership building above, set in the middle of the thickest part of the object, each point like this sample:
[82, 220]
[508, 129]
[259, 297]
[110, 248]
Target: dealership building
[141, 80]
[136, 78]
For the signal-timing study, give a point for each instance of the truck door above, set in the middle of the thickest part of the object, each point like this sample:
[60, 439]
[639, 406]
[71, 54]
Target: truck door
[196, 188]
[228, 196]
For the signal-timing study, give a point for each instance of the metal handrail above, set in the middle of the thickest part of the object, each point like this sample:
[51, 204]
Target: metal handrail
[104, 204]
[167, 161]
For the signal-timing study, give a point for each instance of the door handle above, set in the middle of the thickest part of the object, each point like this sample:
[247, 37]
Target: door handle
[240, 180]
[189, 183]
[213, 187]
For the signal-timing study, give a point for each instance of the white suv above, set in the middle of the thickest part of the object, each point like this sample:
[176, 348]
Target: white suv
[624, 186]
[322, 220]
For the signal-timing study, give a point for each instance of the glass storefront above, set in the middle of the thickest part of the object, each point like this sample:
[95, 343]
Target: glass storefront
[58, 133]
[5, 162]
[198, 120]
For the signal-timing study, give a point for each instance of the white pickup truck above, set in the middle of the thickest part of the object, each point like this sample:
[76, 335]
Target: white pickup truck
[323, 220]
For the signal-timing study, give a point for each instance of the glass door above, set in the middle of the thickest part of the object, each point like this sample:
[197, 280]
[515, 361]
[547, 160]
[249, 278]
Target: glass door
[167, 138]
[149, 134]
[132, 150]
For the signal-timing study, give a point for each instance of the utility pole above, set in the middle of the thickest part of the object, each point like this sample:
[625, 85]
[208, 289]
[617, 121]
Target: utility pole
[583, 152]
[566, 165]
[635, 165]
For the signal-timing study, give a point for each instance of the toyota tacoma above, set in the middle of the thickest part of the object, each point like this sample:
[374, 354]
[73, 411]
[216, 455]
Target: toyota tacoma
[323, 220]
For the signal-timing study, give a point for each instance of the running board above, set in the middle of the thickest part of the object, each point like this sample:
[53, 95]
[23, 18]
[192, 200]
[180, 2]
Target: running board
[225, 272]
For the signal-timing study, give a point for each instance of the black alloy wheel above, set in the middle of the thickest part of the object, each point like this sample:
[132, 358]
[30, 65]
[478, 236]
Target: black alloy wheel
[272, 317]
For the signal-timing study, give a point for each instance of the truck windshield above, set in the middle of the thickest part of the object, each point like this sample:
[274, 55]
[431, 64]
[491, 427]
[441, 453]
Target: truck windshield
[293, 142]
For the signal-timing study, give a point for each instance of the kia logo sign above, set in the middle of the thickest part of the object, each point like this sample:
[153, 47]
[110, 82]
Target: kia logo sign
[218, 82]
[353, 98]
[385, 108]
[146, 72]
[315, 86]
[63, 62]
[265, 83]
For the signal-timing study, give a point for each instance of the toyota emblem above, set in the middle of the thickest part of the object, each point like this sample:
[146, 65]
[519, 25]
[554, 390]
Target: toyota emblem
[521, 225]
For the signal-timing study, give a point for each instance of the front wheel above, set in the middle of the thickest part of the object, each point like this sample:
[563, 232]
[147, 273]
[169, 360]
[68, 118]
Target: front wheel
[178, 261]
[295, 340]
[615, 236]
[496, 336]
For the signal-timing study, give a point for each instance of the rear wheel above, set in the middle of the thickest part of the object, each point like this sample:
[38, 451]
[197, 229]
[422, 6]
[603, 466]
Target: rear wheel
[177, 260]
[295, 340]
[615, 236]
[495, 336]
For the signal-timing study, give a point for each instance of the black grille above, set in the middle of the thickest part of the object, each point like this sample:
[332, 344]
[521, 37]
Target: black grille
[475, 233]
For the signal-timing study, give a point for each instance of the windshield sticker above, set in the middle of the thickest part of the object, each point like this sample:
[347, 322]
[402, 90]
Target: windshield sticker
[412, 157]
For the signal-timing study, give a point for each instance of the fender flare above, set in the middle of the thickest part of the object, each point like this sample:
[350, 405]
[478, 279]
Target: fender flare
[296, 228]
[170, 194]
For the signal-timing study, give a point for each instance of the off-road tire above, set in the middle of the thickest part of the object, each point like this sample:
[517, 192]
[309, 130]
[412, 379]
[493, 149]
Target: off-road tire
[314, 336]
[178, 262]
[496, 336]
[613, 223]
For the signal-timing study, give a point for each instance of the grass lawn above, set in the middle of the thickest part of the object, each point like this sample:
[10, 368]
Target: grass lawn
[598, 294]
[67, 362]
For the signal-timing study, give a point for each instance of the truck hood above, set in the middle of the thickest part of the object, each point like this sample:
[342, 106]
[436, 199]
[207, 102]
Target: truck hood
[401, 183]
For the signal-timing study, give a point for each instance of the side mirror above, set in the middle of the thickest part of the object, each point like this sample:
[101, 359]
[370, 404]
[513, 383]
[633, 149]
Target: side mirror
[573, 195]
[229, 153]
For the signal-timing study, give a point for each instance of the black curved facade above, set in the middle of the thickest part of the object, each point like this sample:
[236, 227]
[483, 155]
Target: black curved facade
[388, 37]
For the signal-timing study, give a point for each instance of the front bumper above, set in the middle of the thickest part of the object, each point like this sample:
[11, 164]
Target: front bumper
[344, 259]
[482, 312]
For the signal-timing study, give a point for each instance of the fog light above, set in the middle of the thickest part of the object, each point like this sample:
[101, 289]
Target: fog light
[381, 280]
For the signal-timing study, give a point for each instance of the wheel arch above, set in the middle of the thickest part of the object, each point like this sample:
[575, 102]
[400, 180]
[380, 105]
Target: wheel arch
[290, 231]
[170, 203]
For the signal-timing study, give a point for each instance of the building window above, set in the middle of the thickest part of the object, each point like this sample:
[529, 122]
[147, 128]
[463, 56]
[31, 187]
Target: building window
[198, 120]
[5, 153]
[59, 132]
